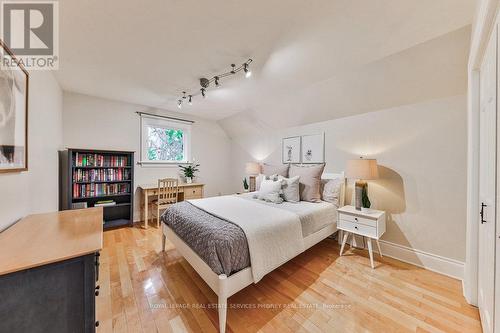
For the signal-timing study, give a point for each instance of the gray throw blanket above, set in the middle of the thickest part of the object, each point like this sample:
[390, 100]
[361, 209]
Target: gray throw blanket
[221, 244]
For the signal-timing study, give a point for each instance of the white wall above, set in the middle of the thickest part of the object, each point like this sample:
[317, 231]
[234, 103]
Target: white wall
[421, 150]
[96, 123]
[36, 190]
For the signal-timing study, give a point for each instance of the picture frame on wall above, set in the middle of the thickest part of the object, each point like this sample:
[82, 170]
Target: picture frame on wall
[14, 81]
[313, 148]
[290, 150]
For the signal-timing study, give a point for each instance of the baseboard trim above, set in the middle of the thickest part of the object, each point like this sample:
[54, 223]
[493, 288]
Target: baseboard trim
[446, 266]
[433, 262]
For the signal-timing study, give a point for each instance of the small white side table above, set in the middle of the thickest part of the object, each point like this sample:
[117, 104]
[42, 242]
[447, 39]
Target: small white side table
[370, 224]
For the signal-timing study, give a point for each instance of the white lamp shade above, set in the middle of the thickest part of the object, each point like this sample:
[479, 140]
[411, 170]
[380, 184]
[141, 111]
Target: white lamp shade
[361, 168]
[252, 168]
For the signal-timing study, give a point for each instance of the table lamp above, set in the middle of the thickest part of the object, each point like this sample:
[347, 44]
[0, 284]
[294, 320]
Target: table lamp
[362, 169]
[252, 169]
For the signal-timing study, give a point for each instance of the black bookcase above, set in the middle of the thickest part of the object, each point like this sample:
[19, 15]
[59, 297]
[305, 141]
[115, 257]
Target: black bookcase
[89, 177]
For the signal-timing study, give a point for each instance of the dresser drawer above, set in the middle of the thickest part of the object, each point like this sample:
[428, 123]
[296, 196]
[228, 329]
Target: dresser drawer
[355, 219]
[357, 228]
[193, 192]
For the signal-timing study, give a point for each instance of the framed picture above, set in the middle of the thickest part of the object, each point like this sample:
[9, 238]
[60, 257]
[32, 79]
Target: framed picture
[313, 148]
[13, 113]
[290, 150]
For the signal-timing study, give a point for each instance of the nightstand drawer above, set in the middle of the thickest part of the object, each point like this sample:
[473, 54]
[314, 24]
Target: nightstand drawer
[356, 219]
[357, 228]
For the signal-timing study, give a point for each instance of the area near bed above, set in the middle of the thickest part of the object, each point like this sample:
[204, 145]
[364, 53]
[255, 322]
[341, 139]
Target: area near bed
[235, 240]
[212, 228]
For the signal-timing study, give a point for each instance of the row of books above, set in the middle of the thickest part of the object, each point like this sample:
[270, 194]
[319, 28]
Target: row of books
[100, 175]
[98, 160]
[95, 190]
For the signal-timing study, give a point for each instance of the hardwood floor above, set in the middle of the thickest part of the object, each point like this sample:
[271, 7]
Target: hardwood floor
[145, 290]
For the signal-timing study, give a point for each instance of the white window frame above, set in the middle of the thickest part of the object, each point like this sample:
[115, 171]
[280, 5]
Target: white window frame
[147, 121]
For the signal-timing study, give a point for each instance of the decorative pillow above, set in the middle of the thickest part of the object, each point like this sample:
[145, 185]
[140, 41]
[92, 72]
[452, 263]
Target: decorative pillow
[290, 188]
[331, 190]
[310, 181]
[270, 191]
[281, 170]
[261, 177]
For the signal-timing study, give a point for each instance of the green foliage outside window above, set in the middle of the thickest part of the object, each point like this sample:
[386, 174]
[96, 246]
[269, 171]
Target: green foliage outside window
[165, 144]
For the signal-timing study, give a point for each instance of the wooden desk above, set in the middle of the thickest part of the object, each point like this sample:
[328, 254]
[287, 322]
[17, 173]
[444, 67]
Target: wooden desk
[186, 192]
[49, 265]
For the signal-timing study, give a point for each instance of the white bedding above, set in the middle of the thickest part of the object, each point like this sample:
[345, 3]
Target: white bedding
[313, 216]
[274, 236]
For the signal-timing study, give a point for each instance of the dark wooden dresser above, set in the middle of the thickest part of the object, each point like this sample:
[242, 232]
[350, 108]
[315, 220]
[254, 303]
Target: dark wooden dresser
[49, 269]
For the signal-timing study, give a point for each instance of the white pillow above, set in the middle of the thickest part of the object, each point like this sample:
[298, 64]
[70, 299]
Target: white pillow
[331, 190]
[261, 177]
[290, 188]
[270, 191]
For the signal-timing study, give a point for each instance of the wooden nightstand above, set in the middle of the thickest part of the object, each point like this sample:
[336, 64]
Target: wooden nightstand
[367, 224]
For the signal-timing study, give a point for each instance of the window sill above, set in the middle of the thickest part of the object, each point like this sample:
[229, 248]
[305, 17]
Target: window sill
[161, 164]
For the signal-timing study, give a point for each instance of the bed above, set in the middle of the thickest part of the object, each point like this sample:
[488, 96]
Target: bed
[267, 234]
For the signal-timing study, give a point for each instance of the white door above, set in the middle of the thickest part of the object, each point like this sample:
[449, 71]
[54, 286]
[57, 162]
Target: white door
[487, 185]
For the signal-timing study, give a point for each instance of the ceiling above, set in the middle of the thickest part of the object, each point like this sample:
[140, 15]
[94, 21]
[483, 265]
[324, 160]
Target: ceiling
[314, 60]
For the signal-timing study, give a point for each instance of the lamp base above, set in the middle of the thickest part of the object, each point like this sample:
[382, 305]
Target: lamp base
[252, 185]
[359, 186]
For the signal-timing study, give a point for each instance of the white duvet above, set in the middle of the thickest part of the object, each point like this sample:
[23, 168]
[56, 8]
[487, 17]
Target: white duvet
[274, 235]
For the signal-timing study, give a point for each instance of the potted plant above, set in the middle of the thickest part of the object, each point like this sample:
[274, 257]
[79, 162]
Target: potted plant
[189, 171]
[245, 184]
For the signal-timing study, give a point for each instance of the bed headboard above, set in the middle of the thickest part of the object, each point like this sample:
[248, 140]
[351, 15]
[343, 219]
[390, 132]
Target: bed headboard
[327, 175]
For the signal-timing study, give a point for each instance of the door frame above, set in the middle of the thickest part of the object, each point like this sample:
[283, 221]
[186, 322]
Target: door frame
[485, 20]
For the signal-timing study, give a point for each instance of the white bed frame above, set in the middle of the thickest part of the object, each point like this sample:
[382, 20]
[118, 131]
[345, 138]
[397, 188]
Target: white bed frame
[226, 286]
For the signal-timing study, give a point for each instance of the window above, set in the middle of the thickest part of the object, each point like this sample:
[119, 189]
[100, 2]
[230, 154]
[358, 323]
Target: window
[164, 141]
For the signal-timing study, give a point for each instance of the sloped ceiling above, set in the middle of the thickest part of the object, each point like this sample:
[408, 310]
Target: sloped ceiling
[313, 60]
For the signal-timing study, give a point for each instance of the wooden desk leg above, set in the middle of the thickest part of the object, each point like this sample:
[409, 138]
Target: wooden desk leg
[146, 209]
[370, 251]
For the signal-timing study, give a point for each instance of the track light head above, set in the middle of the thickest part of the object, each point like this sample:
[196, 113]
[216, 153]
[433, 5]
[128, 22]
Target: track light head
[232, 69]
[184, 94]
[217, 85]
[179, 104]
[190, 102]
[204, 82]
[248, 72]
[203, 92]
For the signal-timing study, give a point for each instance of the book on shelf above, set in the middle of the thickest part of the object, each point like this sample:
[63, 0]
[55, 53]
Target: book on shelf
[78, 205]
[105, 203]
[98, 160]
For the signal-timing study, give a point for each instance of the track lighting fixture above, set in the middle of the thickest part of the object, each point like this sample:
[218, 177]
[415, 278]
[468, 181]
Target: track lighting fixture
[205, 83]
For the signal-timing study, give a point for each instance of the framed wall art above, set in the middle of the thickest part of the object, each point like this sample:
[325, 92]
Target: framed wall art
[13, 112]
[290, 150]
[313, 148]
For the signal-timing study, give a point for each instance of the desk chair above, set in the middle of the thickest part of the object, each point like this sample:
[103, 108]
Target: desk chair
[167, 196]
